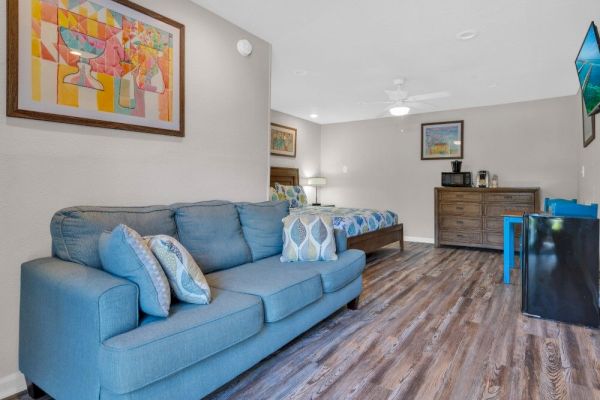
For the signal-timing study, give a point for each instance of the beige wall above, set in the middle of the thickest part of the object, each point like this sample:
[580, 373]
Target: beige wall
[526, 144]
[308, 148]
[48, 166]
[589, 168]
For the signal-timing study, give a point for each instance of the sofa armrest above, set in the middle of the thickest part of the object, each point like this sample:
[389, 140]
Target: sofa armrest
[341, 240]
[67, 311]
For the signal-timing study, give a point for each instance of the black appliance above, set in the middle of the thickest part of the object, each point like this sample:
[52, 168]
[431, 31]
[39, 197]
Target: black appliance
[456, 166]
[459, 179]
[560, 269]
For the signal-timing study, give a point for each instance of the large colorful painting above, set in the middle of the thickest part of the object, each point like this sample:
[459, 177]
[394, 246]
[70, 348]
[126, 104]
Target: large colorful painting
[101, 63]
[283, 140]
[442, 140]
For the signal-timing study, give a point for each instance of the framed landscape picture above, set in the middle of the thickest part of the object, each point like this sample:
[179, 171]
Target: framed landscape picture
[589, 126]
[283, 140]
[442, 140]
[105, 63]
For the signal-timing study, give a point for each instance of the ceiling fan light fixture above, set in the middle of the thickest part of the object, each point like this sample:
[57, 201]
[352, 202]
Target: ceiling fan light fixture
[399, 111]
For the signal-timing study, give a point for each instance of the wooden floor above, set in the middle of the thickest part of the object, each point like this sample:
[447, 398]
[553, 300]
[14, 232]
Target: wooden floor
[433, 324]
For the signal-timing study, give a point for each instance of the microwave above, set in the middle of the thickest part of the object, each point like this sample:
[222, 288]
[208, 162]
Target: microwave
[459, 179]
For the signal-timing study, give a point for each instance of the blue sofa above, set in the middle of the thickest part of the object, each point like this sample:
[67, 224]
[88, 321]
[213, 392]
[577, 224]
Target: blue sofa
[82, 335]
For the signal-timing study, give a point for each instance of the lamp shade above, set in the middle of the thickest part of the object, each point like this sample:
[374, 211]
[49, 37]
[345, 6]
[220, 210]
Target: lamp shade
[316, 181]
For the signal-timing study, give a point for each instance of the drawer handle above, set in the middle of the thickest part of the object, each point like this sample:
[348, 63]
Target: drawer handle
[508, 197]
[460, 208]
[460, 222]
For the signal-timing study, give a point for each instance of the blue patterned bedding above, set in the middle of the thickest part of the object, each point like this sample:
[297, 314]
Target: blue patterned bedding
[354, 221]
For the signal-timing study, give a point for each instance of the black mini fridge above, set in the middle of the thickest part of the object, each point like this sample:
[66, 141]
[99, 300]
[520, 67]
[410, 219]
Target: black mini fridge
[560, 269]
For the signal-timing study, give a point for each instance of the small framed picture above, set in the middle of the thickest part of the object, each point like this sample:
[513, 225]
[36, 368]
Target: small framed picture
[442, 140]
[589, 126]
[283, 140]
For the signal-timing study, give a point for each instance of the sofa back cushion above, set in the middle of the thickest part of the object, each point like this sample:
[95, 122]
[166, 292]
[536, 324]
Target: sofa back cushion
[211, 231]
[263, 226]
[76, 230]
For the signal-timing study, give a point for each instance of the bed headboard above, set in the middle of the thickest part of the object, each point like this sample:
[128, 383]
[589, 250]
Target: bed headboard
[285, 176]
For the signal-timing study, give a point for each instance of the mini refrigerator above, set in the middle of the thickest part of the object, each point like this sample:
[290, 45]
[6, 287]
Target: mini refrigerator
[560, 269]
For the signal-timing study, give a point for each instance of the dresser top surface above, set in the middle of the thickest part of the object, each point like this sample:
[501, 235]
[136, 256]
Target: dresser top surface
[488, 190]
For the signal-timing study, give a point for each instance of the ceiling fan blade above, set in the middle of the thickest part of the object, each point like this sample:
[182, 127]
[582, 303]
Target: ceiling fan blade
[418, 104]
[364, 103]
[428, 96]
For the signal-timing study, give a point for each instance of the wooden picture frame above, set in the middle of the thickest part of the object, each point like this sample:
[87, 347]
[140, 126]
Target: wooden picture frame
[134, 87]
[283, 140]
[443, 140]
[589, 126]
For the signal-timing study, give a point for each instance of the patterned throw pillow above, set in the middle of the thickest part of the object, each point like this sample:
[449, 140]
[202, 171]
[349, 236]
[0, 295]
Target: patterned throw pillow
[294, 194]
[125, 253]
[273, 195]
[308, 238]
[185, 277]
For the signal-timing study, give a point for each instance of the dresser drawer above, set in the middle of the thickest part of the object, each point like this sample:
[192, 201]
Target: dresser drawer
[458, 223]
[463, 209]
[461, 196]
[499, 209]
[460, 237]
[493, 239]
[495, 224]
[497, 239]
[509, 198]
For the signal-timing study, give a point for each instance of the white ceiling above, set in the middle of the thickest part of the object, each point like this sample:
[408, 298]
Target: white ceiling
[354, 49]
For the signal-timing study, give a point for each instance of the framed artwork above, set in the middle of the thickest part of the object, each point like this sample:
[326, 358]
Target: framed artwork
[442, 140]
[105, 63]
[589, 126]
[283, 140]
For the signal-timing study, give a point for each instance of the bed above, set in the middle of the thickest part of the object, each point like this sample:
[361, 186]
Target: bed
[367, 229]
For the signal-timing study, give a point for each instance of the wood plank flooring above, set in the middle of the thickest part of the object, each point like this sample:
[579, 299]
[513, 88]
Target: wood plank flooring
[432, 324]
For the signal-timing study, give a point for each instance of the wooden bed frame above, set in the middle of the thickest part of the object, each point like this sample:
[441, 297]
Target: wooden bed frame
[367, 242]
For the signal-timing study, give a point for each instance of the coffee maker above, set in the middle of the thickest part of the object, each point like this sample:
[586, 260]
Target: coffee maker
[483, 179]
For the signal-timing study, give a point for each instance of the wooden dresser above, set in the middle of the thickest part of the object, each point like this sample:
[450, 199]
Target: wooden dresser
[473, 216]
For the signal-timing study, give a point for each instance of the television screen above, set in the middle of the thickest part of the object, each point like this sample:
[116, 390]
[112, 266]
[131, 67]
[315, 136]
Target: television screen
[588, 70]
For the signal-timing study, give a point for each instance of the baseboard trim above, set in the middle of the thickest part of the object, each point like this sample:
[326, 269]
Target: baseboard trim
[12, 386]
[418, 239]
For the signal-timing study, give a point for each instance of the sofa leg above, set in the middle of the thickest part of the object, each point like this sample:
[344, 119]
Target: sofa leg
[353, 305]
[34, 391]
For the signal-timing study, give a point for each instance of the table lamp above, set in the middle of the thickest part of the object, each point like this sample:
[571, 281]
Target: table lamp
[316, 182]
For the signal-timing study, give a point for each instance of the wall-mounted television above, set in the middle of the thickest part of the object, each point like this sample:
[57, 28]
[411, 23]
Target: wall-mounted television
[588, 70]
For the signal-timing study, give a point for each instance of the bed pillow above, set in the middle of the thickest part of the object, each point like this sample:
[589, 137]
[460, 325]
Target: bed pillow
[184, 275]
[294, 194]
[125, 253]
[308, 238]
[273, 195]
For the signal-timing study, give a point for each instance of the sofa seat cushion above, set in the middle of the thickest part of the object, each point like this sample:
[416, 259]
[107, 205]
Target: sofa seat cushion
[334, 274]
[283, 290]
[160, 347]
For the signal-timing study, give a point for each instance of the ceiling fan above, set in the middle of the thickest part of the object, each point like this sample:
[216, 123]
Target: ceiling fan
[400, 103]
